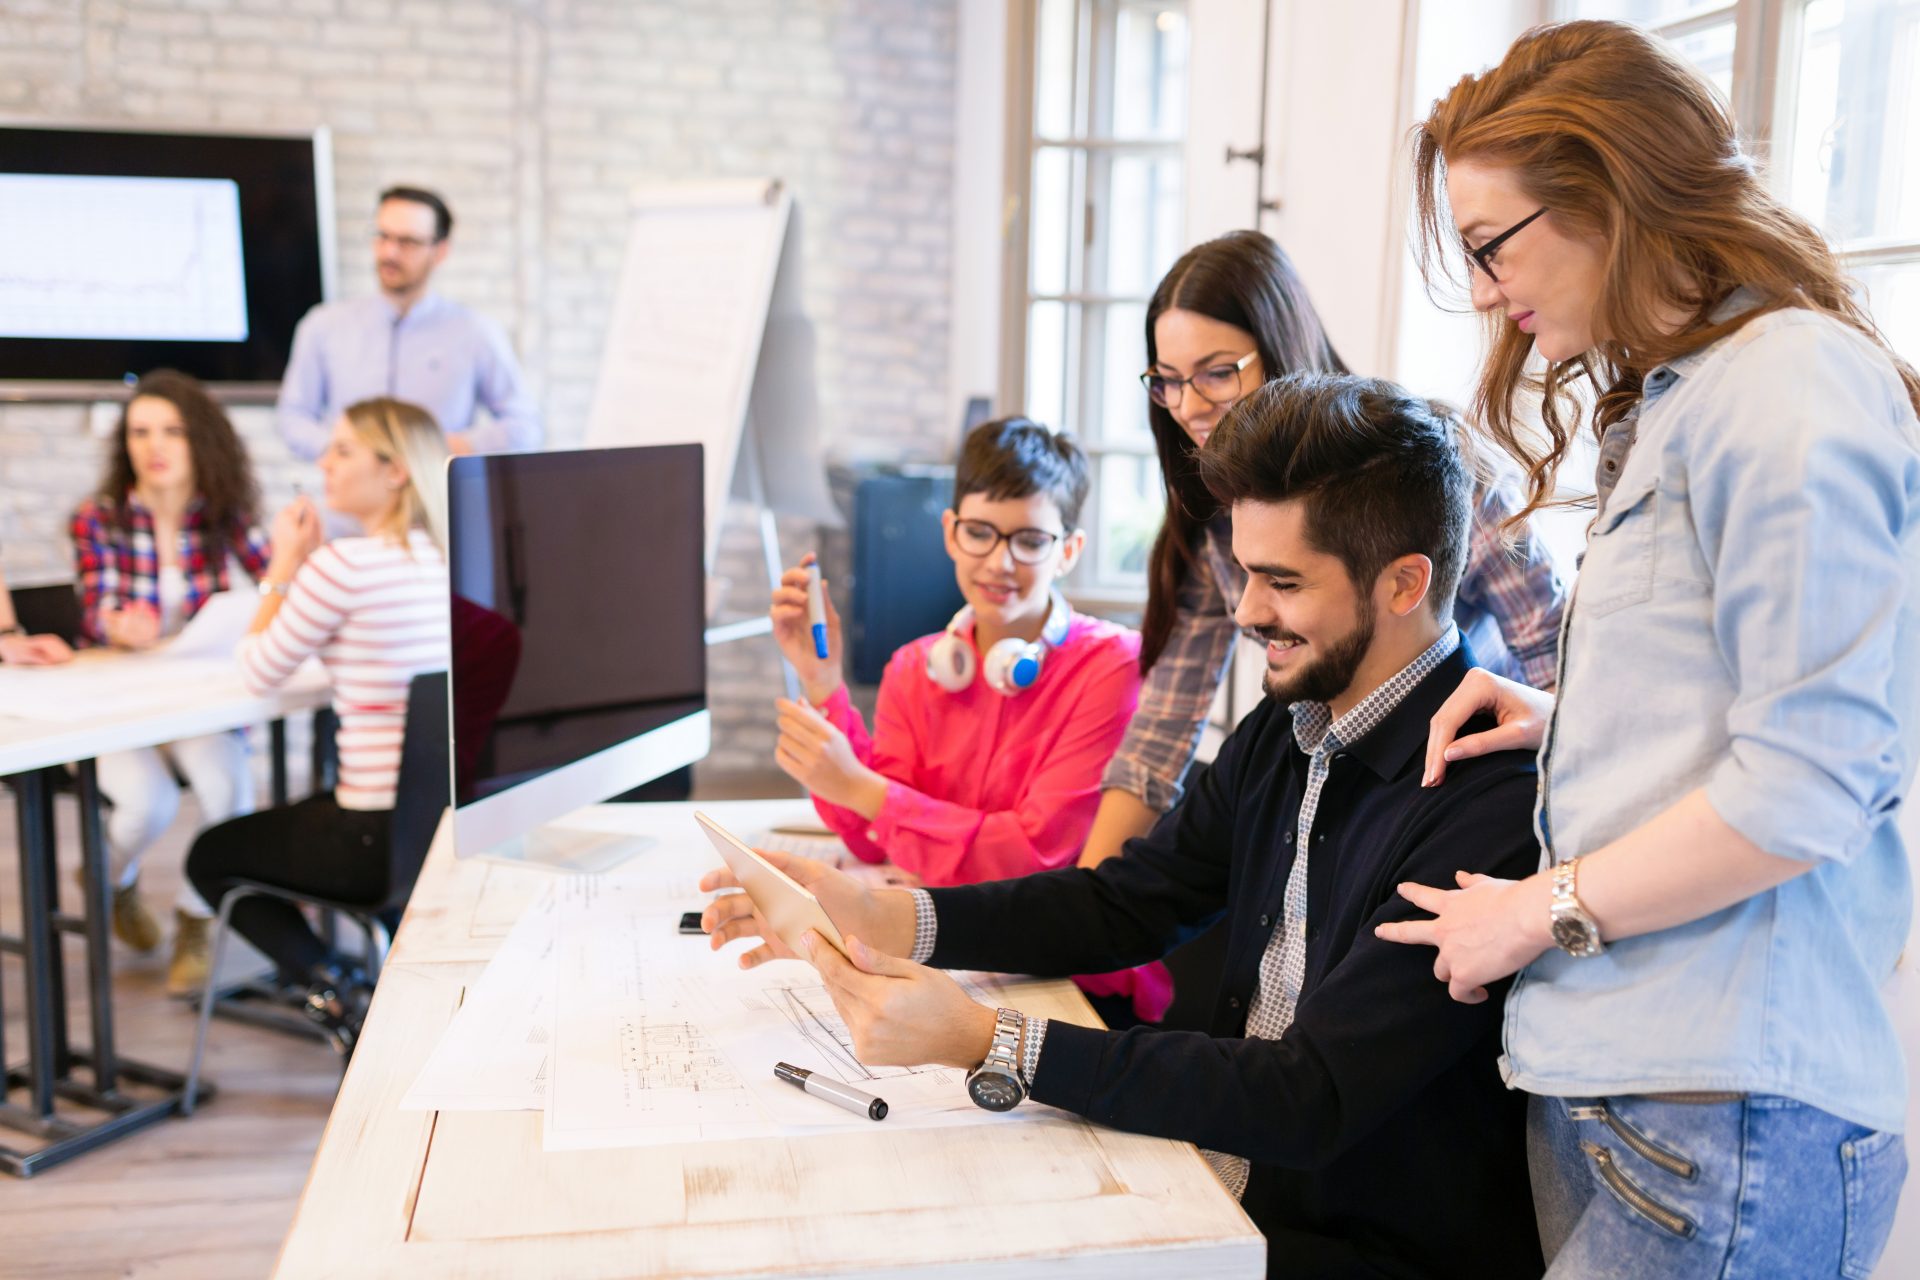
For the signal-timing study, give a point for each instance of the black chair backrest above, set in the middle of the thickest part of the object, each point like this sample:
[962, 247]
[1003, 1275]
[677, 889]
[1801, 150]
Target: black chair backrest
[53, 610]
[425, 785]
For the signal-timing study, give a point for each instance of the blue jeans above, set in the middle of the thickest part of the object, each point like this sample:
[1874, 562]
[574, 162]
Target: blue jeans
[1726, 1185]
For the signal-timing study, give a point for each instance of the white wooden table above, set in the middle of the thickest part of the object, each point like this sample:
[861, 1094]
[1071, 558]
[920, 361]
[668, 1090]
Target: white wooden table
[197, 700]
[410, 1194]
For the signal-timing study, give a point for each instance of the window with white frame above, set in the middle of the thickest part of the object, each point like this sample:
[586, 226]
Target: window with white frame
[1098, 122]
[1829, 91]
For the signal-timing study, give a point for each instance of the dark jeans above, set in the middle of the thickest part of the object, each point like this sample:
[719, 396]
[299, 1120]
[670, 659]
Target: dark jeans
[314, 847]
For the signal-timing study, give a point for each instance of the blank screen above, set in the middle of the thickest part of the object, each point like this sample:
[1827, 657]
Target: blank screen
[579, 606]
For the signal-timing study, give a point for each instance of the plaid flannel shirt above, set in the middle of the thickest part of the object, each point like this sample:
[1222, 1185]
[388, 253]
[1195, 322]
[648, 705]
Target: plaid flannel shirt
[119, 564]
[1509, 606]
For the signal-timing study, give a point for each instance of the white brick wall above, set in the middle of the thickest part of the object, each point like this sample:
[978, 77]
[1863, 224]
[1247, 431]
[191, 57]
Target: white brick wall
[534, 117]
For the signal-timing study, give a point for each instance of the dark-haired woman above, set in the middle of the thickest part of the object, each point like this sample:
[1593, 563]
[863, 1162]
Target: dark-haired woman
[1231, 314]
[174, 518]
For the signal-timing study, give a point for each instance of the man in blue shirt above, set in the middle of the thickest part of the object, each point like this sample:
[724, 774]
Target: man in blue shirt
[409, 343]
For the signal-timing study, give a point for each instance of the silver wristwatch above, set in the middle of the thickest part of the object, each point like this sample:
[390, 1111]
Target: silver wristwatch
[995, 1084]
[1573, 929]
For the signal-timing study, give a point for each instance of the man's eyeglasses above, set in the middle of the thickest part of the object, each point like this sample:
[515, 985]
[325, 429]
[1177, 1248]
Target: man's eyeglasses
[1483, 256]
[1029, 546]
[1218, 385]
[408, 244]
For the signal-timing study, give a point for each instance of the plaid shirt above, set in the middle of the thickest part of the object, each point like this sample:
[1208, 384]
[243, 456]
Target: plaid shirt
[119, 565]
[1508, 606]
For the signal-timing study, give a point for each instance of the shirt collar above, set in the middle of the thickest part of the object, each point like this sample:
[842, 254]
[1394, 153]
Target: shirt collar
[1738, 303]
[428, 303]
[1315, 727]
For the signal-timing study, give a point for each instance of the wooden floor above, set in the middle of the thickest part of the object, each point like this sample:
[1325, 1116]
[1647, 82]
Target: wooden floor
[206, 1197]
[209, 1196]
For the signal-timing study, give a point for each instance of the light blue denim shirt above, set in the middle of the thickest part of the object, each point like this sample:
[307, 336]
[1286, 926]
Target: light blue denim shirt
[448, 359]
[1747, 620]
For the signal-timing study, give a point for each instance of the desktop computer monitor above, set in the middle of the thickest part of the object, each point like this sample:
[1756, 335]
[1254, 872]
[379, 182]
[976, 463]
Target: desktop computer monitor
[578, 614]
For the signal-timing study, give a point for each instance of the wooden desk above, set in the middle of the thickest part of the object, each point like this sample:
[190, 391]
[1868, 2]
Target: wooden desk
[202, 702]
[409, 1194]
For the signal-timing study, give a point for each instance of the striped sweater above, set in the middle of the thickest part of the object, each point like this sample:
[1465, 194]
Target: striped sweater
[376, 614]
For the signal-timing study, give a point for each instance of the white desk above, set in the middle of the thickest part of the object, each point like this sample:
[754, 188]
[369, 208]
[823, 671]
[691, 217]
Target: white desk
[203, 702]
[409, 1194]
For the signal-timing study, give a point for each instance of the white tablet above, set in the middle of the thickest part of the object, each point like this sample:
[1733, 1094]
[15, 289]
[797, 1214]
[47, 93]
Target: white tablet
[789, 908]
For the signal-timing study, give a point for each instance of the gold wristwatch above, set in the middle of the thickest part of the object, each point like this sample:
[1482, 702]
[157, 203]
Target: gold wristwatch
[1573, 929]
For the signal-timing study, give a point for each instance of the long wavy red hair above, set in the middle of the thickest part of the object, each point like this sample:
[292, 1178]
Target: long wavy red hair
[1607, 127]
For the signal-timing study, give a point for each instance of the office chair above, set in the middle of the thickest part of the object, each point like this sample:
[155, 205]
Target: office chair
[422, 793]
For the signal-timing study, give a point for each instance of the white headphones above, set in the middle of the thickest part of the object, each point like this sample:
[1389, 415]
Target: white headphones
[1011, 667]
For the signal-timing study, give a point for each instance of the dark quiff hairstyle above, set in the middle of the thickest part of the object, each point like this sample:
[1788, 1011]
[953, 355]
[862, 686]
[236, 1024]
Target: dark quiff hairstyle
[222, 473]
[1609, 130]
[1245, 280]
[1379, 469]
[1016, 458]
[442, 216]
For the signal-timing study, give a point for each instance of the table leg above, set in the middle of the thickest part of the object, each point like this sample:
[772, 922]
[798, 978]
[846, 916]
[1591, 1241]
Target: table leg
[93, 854]
[37, 936]
[277, 735]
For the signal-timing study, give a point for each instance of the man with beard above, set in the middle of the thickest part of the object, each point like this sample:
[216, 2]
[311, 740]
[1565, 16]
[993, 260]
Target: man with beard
[408, 343]
[1352, 1105]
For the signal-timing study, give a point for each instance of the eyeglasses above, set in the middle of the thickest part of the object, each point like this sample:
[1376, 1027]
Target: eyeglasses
[1029, 546]
[1218, 385]
[1483, 256]
[409, 244]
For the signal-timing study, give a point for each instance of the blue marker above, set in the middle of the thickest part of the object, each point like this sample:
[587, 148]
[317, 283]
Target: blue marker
[817, 610]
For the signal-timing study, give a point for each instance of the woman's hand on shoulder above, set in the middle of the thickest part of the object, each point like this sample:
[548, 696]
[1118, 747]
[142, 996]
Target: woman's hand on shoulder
[1521, 710]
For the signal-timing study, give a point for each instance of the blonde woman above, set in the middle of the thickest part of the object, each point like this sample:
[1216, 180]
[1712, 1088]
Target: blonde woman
[373, 608]
[1716, 1086]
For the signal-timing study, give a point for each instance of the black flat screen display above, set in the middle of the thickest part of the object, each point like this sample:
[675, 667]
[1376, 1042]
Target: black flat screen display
[122, 252]
[578, 609]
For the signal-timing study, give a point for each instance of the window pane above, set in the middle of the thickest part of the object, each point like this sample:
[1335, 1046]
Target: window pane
[1711, 51]
[1855, 123]
[1054, 65]
[1150, 71]
[1046, 364]
[1123, 417]
[1128, 502]
[1056, 232]
[1647, 13]
[1892, 294]
[1144, 205]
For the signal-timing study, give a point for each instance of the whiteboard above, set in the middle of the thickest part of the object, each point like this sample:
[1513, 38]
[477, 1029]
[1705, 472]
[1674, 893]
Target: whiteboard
[690, 330]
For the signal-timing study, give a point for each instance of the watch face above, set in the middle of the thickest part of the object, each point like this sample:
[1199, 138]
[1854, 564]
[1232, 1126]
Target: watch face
[994, 1090]
[1576, 936]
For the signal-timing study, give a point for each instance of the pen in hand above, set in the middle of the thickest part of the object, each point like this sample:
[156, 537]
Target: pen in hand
[817, 610]
[840, 1095]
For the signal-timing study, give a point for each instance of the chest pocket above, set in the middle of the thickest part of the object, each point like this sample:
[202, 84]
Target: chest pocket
[1617, 572]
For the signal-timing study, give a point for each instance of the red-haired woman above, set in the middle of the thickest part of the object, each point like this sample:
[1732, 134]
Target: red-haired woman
[1717, 1087]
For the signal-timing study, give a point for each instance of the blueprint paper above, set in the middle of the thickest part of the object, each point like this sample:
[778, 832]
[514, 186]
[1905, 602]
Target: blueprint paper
[657, 1040]
[493, 1056]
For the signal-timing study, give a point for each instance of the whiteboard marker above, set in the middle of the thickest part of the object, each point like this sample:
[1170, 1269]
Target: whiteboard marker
[817, 610]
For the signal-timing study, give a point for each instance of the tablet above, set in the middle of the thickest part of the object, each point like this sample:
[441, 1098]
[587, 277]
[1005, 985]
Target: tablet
[788, 908]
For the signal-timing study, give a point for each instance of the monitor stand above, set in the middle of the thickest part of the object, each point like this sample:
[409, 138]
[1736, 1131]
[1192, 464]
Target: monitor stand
[570, 849]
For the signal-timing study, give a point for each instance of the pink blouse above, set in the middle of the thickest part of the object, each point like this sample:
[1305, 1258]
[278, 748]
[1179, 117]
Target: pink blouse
[986, 787]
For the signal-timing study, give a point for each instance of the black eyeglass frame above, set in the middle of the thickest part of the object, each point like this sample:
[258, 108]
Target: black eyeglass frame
[1007, 536]
[1479, 257]
[1239, 367]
